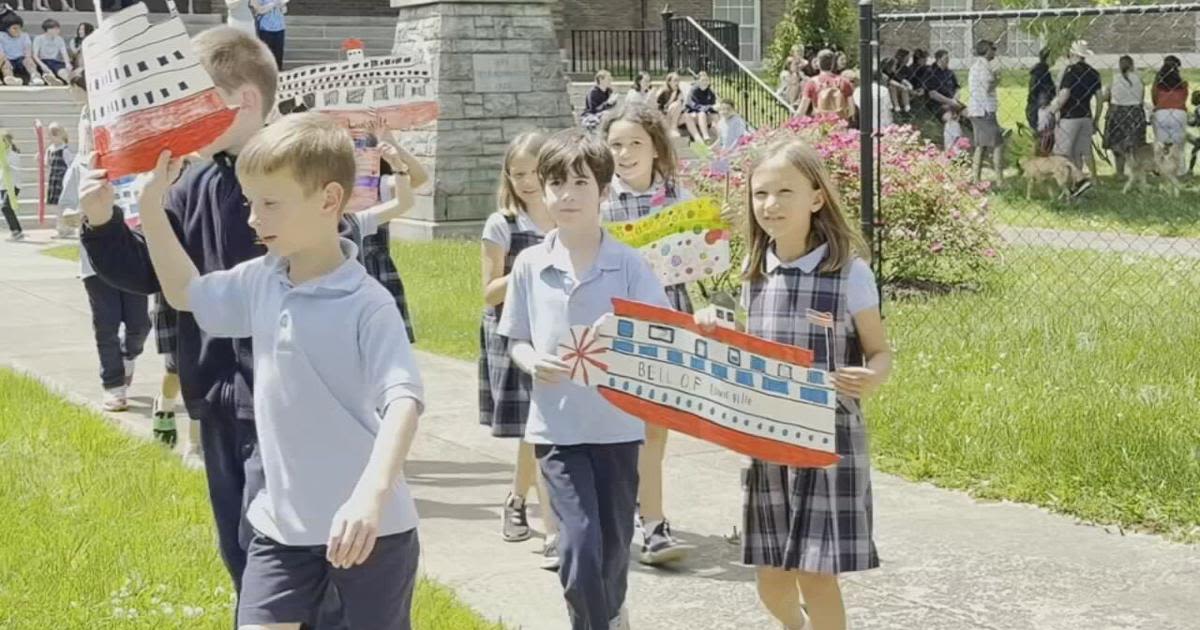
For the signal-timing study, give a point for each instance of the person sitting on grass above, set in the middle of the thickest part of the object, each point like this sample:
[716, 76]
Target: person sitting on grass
[600, 98]
[701, 109]
[337, 394]
[731, 127]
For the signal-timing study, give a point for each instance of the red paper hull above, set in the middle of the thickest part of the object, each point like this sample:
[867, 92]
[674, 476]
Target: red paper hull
[697, 427]
[133, 144]
[397, 117]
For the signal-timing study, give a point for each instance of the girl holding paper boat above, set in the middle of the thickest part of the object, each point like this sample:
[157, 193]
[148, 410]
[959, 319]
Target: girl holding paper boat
[807, 284]
[645, 184]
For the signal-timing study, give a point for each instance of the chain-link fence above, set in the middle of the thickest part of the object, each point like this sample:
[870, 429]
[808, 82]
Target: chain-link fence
[1091, 116]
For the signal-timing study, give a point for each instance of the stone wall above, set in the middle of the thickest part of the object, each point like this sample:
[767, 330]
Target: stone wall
[498, 73]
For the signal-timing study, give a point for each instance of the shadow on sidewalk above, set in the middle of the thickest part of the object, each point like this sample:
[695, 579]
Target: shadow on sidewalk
[714, 558]
[429, 509]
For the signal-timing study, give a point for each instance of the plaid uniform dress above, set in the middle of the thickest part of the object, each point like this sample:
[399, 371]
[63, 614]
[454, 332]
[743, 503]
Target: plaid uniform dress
[165, 331]
[623, 205]
[376, 257]
[57, 171]
[809, 519]
[503, 387]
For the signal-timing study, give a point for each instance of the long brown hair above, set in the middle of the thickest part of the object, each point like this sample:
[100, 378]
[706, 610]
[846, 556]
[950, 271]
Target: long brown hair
[829, 225]
[651, 120]
[527, 144]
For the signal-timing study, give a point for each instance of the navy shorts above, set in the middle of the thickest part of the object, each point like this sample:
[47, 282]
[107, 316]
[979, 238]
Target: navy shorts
[54, 65]
[286, 584]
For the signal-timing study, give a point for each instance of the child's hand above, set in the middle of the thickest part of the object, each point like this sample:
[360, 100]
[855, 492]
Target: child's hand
[96, 194]
[549, 369]
[164, 174]
[706, 318]
[354, 531]
[855, 382]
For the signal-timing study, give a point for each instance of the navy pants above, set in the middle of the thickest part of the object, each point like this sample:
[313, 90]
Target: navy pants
[274, 41]
[235, 476]
[593, 492]
[112, 308]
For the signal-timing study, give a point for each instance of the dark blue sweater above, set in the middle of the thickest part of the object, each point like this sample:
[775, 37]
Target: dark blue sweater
[209, 213]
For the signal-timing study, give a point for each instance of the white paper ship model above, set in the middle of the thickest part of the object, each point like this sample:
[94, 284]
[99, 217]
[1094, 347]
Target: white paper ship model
[756, 397]
[147, 92]
[359, 92]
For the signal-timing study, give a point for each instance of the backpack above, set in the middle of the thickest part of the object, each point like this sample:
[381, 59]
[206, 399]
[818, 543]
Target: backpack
[832, 100]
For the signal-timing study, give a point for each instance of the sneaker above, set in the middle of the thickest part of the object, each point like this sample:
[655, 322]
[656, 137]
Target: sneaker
[550, 561]
[621, 621]
[130, 364]
[13, 81]
[659, 547]
[514, 525]
[51, 79]
[37, 81]
[164, 422]
[114, 400]
[16, 237]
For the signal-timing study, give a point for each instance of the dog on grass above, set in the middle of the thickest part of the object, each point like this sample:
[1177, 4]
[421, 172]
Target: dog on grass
[1149, 159]
[1051, 169]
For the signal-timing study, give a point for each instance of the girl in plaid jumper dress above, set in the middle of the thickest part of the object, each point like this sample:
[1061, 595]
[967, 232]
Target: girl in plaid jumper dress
[520, 222]
[645, 184]
[58, 158]
[803, 526]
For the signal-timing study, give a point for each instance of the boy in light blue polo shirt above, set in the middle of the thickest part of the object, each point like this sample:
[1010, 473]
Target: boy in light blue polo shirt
[587, 449]
[337, 393]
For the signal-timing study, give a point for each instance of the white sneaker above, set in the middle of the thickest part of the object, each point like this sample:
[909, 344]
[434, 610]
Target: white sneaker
[37, 81]
[550, 559]
[13, 81]
[114, 400]
[621, 621]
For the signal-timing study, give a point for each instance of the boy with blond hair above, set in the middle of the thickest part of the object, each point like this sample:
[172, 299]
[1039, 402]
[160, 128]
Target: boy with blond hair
[338, 391]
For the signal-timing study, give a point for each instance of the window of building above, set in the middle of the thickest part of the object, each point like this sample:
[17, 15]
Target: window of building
[954, 37]
[1019, 42]
[747, 14]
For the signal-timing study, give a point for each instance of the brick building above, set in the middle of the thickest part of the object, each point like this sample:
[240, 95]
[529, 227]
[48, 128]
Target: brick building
[1144, 37]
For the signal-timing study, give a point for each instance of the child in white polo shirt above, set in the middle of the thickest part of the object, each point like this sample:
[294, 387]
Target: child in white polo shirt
[336, 394]
[587, 449]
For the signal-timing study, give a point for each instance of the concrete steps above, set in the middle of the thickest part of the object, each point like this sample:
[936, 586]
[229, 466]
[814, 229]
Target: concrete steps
[21, 107]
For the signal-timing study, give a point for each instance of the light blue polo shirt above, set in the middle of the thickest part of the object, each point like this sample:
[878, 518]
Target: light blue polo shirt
[544, 301]
[330, 356]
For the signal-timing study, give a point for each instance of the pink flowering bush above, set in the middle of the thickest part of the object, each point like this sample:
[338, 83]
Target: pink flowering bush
[934, 223]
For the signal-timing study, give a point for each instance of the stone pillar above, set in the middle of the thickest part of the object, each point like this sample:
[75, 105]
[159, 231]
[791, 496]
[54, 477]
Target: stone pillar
[497, 73]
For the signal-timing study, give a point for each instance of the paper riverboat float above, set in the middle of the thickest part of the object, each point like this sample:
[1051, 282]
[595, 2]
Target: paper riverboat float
[395, 89]
[753, 396]
[147, 93]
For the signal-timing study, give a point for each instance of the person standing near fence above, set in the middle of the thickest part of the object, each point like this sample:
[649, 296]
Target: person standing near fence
[982, 104]
[271, 25]
[1040, 82]
[1079, 85]
[1125, 127]
[1169, 95]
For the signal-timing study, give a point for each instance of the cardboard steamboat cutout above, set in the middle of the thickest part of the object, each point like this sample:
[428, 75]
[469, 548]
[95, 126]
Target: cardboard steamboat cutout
[147, 92]
[756, 397]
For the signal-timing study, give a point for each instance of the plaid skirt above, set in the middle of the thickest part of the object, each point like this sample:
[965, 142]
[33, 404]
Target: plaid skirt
[54, 180]
[503, 387]
[1125, 129]
[377, 259]
[815, 520]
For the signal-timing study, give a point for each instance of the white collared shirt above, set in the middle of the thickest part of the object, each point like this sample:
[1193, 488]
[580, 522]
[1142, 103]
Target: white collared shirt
[981, 81]
[544, 301]
[861, 291]
[330, 356]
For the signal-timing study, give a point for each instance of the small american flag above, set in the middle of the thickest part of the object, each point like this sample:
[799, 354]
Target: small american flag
[824, 320]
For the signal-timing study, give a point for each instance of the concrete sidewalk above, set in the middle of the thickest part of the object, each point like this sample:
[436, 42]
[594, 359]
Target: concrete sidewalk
[950, 563]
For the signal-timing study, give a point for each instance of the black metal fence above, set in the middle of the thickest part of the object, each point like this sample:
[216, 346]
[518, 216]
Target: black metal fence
[700, 47]
[626, 52]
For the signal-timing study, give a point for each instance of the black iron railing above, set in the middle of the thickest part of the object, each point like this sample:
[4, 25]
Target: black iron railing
[624, 53]
[698, 48]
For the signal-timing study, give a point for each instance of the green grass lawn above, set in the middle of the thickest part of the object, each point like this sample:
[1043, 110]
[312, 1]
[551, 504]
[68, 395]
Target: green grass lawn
[1104, 209]
[103, 530]
[442, 284]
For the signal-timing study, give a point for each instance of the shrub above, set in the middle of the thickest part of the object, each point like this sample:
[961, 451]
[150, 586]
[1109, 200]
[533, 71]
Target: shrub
[934, 223]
